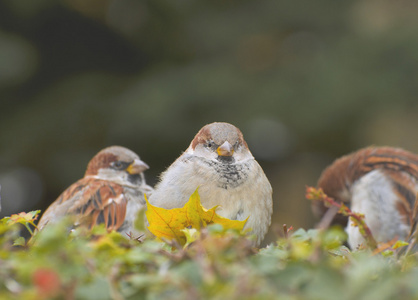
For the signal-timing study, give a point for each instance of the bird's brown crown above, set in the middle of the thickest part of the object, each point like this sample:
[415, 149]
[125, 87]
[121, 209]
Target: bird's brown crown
[107, 156]
[219, 132]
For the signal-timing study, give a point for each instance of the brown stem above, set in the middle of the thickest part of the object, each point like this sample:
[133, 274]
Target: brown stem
[358, 219]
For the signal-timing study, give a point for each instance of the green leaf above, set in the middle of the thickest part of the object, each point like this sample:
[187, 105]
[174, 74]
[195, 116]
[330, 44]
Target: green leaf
[387, 253]
[23, 217]
[20, 241]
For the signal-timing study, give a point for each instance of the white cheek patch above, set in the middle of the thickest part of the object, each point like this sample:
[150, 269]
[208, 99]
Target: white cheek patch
[243, 155]
[120, 177]
[202, 151]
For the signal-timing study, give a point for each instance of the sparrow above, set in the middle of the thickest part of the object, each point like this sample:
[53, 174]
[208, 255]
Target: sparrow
[219, 163]
[379, 182]
[111, 192]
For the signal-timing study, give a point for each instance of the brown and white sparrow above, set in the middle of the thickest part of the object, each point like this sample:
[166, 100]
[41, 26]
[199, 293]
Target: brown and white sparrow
[111, 192]
[219, 163]
[379, 182]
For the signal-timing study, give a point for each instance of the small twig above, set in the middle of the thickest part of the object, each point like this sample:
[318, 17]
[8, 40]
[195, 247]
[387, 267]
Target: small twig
[29, 229]
[132, 237]
[286, 230]
[358, 219]
[327, 218]
[385, 246]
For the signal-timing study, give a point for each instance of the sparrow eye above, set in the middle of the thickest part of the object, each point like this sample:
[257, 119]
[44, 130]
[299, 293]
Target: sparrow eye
[118, 165]
[210, 145]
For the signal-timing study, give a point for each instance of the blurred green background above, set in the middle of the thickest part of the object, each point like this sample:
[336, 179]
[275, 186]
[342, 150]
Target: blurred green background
[306, 81]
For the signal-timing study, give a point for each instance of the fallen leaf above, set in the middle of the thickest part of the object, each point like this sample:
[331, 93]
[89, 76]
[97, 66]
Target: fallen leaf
[169, 223]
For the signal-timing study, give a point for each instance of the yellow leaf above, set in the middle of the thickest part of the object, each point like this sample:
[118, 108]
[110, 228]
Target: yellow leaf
[229, 224]
[166, 223]
[191, 235]
[169, 223]
[400, 244]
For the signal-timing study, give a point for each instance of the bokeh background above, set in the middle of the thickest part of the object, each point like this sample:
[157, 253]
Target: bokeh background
[306, 81]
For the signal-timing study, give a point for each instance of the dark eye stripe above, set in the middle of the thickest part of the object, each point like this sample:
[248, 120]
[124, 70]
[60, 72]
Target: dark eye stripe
[210, 145]
[120, 165]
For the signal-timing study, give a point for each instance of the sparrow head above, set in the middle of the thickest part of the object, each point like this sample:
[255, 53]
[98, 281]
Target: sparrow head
[220, 141]
[117, 164]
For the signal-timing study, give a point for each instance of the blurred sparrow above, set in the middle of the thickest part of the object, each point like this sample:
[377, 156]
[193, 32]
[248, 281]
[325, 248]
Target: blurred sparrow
[111, 192]
[219, 163]
[380, 183]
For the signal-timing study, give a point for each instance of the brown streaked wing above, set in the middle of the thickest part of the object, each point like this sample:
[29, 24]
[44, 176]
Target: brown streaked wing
[413, 232]
[101, 202]
[402, 167]
[388, 158]
[405, 187]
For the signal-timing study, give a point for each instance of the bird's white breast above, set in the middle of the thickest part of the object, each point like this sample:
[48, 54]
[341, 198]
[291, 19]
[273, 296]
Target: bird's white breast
[250, 198]
[373, 196]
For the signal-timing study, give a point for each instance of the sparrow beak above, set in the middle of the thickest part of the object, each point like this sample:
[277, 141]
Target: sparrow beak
[137, 167]
[225, 149]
